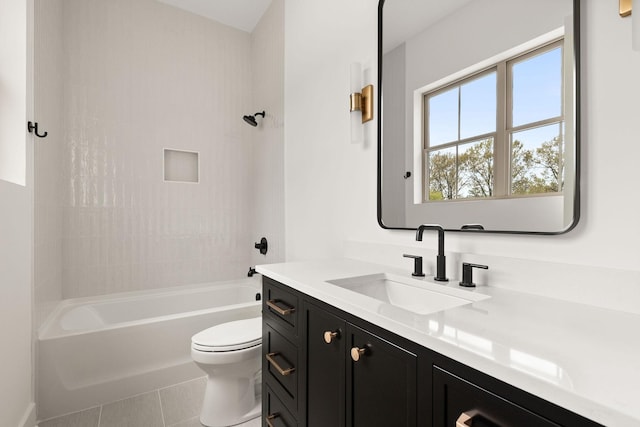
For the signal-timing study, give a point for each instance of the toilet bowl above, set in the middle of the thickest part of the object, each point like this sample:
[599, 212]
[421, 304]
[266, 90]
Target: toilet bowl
[230, 355]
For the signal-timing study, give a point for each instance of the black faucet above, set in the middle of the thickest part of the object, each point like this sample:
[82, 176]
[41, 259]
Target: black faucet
[417, 265]
[467, 274]
[441, 260]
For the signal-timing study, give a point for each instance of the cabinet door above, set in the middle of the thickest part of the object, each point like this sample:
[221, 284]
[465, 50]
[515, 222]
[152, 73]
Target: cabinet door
[381, 384]
[325, 368]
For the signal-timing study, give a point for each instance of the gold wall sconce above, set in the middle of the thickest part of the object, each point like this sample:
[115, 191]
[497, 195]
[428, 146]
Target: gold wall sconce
[363, 102]
[625, 7]
[360, 103]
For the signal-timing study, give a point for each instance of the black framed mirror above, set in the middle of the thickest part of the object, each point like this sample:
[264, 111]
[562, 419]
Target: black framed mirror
[479, 117]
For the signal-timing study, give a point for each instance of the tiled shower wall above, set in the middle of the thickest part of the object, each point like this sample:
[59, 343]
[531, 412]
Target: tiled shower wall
[140, 76]
[48, 156]
[267, 55]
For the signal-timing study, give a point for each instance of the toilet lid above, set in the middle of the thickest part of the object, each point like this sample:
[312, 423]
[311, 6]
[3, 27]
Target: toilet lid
[236, 335]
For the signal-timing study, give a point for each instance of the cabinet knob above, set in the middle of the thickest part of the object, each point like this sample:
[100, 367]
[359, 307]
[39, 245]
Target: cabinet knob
[330, 335]
[464, 420]
[357, 353]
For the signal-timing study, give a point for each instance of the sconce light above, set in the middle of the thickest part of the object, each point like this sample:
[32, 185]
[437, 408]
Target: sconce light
[626, 8]
[360, 103]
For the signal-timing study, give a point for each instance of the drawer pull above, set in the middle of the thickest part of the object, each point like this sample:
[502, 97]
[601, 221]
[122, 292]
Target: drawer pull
[281, 311]
[464, 420]
[330, 335]
[280, 369]
[357, 353]
[272, 417]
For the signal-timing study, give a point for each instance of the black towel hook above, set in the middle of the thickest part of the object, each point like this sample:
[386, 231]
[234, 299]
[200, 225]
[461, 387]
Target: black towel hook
[33, 128]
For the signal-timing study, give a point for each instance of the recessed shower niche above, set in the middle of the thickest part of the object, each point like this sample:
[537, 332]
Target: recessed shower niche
[181, 166]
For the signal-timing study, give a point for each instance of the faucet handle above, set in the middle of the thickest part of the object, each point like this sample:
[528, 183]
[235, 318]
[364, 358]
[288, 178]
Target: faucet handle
[417, 265]
[467, 274]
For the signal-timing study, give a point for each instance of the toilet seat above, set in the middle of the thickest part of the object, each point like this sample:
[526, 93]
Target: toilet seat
[231, 336]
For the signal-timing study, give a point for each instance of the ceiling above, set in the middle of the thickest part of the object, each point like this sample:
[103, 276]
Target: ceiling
[404, 19]
[241, 14]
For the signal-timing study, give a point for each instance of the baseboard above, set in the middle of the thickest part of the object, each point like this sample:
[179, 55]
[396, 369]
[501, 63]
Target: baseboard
[29, 418]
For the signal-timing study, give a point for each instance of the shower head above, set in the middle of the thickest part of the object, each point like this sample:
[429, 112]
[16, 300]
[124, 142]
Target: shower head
[252, 119]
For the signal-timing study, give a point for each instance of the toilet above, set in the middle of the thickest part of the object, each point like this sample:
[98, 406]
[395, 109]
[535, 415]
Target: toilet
[230, 355]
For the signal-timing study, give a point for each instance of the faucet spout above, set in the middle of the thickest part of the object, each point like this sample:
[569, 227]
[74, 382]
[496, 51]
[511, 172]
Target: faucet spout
[441, 266]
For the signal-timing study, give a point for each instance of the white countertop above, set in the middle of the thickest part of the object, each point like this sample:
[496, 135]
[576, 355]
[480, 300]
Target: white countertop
[580, 357]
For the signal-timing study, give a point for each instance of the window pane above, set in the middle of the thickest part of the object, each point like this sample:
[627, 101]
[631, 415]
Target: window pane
[475, 169]
[443, 117]
[537, 160]
[537, 87]
[442, 174]
[478, 106]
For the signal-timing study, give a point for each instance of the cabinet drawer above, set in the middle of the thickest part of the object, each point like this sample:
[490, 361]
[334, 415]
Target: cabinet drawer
[281, 366]
[280, 307]
[454, 396]
[275, 413]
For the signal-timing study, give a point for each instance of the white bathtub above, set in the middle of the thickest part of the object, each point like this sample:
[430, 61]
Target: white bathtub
[93, 351]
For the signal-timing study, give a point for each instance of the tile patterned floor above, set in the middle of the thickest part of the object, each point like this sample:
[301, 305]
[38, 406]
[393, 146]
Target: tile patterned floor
[175, 406]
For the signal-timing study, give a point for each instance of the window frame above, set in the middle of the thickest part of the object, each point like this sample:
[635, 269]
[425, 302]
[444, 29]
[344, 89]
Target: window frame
[502, 137]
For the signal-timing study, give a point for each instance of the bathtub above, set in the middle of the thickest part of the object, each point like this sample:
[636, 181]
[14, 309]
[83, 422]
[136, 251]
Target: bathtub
[97, 350]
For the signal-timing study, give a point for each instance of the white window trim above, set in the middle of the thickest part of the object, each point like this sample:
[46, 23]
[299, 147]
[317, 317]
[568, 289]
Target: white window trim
[418, 100]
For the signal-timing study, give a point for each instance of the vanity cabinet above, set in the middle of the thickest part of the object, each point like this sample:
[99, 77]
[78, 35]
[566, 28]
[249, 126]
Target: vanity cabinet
[323, 367]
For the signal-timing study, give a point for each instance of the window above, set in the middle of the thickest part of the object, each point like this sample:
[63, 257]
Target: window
[497, 133]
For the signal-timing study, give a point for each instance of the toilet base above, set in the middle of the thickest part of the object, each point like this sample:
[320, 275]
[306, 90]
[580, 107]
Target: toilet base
[254, 413]
[230, 401]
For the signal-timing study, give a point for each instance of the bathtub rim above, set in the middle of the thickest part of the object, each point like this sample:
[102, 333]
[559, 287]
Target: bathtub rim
[49, 329]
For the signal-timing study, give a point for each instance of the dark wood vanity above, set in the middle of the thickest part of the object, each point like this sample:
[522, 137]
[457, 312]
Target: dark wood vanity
[325, 367]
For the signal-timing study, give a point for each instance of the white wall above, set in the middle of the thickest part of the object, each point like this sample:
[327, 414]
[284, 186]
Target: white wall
[16, 388]
[12, 57]
[331, 184]
[141, 76]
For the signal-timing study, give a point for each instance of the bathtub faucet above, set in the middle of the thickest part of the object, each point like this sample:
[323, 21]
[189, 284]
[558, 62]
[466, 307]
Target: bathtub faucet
[441, 260]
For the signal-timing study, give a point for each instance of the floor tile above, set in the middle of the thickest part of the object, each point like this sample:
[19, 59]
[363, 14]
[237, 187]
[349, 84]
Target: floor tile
[183, 401]
[138, 411]
[193, 422]
[256, 422]
[86, 418]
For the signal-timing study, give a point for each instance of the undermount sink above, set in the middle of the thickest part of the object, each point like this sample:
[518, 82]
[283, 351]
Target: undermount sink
[414, 295]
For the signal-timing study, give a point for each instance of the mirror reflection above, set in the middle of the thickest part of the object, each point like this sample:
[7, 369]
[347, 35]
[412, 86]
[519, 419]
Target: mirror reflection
[478, 114]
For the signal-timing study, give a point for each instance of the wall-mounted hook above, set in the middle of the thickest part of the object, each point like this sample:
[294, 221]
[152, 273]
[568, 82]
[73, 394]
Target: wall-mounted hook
[407, 175]
[33, 128]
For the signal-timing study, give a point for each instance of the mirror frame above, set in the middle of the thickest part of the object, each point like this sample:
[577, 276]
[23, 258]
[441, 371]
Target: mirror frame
[577, 128]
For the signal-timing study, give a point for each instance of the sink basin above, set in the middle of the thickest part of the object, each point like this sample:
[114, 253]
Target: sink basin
[414, 295]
